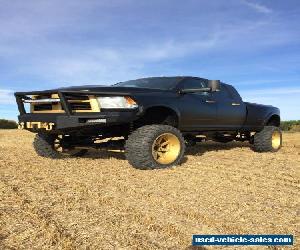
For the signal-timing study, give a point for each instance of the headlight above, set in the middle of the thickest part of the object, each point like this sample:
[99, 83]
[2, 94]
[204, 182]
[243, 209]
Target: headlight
[116, 102]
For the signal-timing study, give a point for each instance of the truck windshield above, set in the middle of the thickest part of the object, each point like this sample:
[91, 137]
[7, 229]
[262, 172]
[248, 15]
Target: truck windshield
[165, 83]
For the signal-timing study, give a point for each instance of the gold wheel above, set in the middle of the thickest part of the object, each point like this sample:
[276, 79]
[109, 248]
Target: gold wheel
[276, 139]
[166, 148]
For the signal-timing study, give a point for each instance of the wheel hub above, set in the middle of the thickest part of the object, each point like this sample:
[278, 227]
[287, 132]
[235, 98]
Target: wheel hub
[166, 148]
[276, 140]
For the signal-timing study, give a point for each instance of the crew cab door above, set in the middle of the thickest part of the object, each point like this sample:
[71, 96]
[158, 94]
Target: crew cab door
[231, 110]
[198, 110]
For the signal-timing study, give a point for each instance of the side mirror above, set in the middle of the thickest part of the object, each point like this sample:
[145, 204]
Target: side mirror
[214, 85]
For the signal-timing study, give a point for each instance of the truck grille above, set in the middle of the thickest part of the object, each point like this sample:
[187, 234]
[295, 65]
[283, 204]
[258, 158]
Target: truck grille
[77, 103]
[42, 107]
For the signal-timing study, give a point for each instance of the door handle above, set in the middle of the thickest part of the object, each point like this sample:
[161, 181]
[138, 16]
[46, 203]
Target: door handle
[210, 101]
[235, 104]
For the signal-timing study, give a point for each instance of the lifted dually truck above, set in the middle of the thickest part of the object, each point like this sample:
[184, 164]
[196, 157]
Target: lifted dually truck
[152, 119]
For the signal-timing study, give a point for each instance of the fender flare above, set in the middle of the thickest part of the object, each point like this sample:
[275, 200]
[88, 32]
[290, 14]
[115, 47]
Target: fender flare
[174, 109]
[268, 117]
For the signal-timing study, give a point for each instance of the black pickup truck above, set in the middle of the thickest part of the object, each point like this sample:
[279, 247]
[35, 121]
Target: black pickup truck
[152, 119]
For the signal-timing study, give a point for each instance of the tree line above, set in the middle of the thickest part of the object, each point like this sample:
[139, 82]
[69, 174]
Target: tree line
[8, 124]
[292, 126]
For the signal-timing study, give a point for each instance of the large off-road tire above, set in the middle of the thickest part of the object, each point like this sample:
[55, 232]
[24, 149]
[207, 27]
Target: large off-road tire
[268, 140]
[154, 147]
[45, 146]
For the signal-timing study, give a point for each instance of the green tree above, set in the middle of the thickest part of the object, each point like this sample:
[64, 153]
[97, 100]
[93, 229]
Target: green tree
[7, 124]
[289, 125]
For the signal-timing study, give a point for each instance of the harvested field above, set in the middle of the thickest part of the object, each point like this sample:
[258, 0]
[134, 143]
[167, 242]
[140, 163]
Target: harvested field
[101, 202]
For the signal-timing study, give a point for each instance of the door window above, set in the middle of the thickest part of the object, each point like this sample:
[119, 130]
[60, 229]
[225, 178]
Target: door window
[195, 83]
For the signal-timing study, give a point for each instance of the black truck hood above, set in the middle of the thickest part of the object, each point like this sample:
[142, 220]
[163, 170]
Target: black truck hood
[95, 89]
[111, 89]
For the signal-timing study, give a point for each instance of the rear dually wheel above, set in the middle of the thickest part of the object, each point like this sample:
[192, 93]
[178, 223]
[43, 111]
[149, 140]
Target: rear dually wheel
[268, 140]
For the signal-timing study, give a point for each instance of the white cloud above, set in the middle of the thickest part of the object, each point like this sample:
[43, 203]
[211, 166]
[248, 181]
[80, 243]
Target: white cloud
[172, 49]
[6, 96]
[272, 91]
[258, 7]
[91, 64]
[265, 82]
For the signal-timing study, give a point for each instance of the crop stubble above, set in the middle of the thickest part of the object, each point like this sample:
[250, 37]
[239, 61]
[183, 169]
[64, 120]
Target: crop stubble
[101, 202]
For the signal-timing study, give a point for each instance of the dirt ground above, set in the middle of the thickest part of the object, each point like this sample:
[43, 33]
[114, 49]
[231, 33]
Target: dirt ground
[101, 202]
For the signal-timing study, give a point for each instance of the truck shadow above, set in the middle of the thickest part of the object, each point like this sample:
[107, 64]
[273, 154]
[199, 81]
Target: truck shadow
[196, 150]
[208, 146]
[105, 154]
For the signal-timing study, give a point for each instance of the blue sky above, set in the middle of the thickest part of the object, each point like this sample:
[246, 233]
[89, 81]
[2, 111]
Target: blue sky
[253, 45]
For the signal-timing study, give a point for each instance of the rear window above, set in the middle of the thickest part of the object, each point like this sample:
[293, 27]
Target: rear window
[233, 93]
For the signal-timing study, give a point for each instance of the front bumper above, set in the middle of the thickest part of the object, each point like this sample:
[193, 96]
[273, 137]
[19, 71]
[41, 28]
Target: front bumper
[62, 121]
[69, 120]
